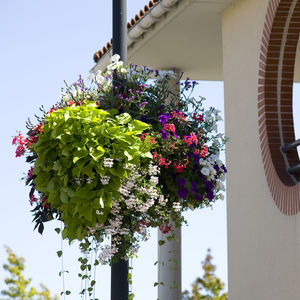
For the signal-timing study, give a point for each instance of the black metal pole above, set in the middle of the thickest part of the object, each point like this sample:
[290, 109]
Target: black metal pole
[119, 269]
[119, 45]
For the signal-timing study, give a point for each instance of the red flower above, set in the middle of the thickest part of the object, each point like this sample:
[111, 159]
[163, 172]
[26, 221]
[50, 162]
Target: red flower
[45, 203]
[169, 127]
[32, 199]
[178, 167]
[204, 151]
[30, 173]
[143, 136]
[152, 141]
[165, 228]
[39, 128]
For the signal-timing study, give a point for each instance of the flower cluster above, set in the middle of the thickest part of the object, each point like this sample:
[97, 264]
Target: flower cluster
[122, 154]
[141, 204]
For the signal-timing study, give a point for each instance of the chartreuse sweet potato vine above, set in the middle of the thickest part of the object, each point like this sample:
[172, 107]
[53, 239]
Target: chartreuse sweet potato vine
[81, 145]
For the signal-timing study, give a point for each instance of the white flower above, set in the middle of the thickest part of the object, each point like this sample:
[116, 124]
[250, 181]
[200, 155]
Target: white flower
[130, 203]
[219, 118]
[205, 171]
[162, 201]
[153, 170]
[108, 162]
[177, 206]
[89, 180]
[105, 180]
[115, 58]
[124, 191]
[222, 177]
[203, 162]
[220, 186]
[78, 181]
[154, 180]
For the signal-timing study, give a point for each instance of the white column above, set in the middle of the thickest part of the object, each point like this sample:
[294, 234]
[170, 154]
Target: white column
[169, 254]
[169, 266]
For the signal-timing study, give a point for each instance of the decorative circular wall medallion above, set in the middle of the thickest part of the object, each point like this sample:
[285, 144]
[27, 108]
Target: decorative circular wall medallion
[275, 108]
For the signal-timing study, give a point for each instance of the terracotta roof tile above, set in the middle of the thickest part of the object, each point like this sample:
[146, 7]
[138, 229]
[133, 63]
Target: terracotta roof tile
[133, 21]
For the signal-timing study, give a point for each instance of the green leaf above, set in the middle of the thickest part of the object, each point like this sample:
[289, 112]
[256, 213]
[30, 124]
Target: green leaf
[80, 154]
[161, 242]
[51, 186]
[123, 118]
[63, 196]
[59, 253]
[86, 211]
[57, 230]
[139, 126]
[65, 152]
[68, 292]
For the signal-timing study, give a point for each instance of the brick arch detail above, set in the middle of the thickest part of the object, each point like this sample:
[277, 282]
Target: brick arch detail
[275, 107]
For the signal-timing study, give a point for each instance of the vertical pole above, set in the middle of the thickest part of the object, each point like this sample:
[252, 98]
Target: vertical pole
[119, 45]
[169, 254]
[169, 267]
[119, 269]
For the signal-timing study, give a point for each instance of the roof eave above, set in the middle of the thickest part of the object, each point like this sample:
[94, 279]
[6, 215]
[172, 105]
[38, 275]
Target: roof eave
[143, 25]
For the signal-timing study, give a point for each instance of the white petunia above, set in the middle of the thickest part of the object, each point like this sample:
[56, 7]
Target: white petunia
[205, 171]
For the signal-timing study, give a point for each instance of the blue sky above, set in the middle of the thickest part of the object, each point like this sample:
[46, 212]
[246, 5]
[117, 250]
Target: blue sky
[42, 44]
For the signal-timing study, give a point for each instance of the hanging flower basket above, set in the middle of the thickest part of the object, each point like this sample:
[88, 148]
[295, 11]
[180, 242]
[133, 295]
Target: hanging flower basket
[114, 158]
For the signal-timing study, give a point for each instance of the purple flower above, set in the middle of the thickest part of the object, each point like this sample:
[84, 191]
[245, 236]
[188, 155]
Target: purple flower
[161, 107]
[143, 104]
[175, 135]
[224, 168]
[208, 185]
[164, 135]
[194, 188]
[183, 192]
[199, 197]
[144, 119]
[216, 167]
[210, 195]
[181, 182]
[164, 118]
[196, 159]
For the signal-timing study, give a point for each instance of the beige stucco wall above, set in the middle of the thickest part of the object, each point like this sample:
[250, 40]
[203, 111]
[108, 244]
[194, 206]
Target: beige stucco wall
[263, 244]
